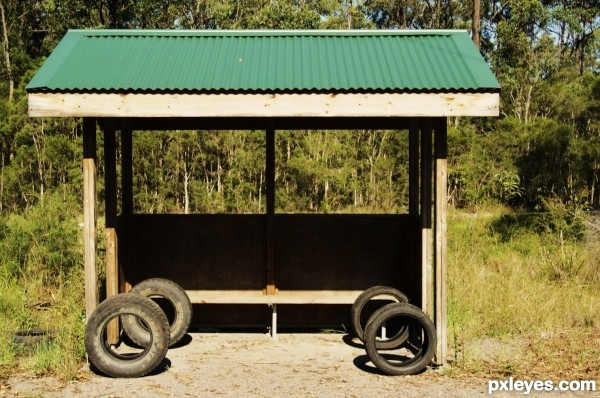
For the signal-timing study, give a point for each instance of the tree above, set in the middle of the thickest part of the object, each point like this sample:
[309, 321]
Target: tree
[6, 51]
[476, 28]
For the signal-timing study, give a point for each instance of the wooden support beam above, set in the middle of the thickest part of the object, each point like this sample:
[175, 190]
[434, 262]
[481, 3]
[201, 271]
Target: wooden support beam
[110, 215]
[281, 297]
[264, 123]
[89, 216]
[441, 210]
[270, 179]
[110, 175]
[413, 167]
[263, 105]
[126, 205]
[426, 233]
[126, 171]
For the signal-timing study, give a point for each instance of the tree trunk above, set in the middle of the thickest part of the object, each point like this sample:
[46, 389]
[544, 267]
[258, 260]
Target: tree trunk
[5, 49]
[186, 191]
[38, 143]
[401, 16]
[38, 33]
[476, 30]
[2, 186]
[113, 14]
[527, 104]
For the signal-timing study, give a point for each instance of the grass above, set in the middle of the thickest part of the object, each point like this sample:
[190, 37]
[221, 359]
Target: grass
[60, 313]
[521, 302]
[41, 280]
[524, 303]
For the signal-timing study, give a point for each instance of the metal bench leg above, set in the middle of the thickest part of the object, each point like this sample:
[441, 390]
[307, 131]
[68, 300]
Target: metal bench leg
[274, 322]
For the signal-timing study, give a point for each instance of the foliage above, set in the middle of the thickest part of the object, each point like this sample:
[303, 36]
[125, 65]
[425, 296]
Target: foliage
[546, 145]
[41, 245]
[542, 158]
[517, 295]
[41, 275]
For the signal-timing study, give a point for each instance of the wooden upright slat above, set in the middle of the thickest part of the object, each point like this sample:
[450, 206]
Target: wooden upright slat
[413, 167]
[126, 204]
[426, 201]
[270, 179]
[89, 216]
[110, 214]
[126, 170]
[441, 209]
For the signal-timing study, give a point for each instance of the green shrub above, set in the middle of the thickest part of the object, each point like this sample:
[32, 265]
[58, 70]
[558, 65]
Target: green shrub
[42, 281]
[42, 244]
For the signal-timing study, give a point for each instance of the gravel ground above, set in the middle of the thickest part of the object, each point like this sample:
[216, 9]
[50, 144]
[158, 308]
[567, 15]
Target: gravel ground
[254, 365]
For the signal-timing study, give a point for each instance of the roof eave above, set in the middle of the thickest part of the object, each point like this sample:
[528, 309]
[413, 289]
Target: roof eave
[263, 105]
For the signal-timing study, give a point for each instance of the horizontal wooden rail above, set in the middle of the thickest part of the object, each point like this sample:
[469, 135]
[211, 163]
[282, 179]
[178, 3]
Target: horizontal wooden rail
[282, 297]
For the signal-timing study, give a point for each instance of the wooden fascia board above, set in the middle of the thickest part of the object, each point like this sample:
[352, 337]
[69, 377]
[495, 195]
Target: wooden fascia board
[263, 105]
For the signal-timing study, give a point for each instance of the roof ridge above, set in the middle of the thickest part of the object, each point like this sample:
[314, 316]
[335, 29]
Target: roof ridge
[264, 32]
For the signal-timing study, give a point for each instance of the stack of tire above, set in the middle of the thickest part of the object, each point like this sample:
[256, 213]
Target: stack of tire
[147, 329]
[399, 337]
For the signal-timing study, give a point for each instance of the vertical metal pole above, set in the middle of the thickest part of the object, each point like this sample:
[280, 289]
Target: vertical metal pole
[274, 322]
[89, 216]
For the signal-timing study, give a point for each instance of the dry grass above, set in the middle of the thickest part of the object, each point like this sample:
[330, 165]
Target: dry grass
[522, 304]
[57, 310]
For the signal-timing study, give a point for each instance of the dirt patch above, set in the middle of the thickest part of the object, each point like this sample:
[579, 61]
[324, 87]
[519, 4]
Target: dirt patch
[254, 365]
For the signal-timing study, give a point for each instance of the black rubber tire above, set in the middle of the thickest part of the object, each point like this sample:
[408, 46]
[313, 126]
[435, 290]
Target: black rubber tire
[31, 336]
[356, 314]
[419, 325]
[108, 361]
[176, 297]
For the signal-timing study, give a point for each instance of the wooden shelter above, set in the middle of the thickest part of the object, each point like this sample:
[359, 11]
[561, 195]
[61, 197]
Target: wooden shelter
[123, 81]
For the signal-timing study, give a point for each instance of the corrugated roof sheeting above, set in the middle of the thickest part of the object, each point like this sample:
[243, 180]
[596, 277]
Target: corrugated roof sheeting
[264, 61]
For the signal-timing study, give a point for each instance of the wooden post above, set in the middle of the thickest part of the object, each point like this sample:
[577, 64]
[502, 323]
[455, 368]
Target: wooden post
[413, 204]
[413, 167]
[110, 215]
[270, 180]
[441, 209]
[89, 216]
[126, 206]
[426, 182]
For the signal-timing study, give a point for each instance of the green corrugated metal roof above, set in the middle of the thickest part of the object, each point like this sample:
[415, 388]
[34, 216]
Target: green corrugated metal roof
[264, 61]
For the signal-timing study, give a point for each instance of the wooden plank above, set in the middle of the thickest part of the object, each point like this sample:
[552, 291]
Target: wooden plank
[89, 216]
[270, 182]
[110, 175]
[126, 170]
[263, 123]
[112, 281]
[201, 251]
[264, 105]
[426, 232]
[281, 297]
[126, 205]
[413, 167]
[110, 215]
[441, 209]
